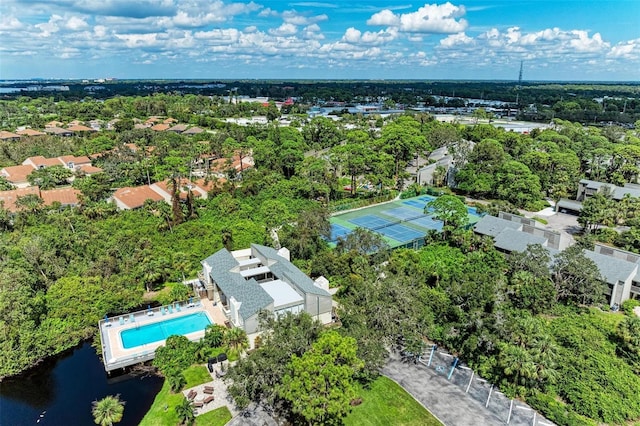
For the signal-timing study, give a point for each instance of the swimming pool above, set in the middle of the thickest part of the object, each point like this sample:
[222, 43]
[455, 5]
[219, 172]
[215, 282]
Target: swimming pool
[158, 331]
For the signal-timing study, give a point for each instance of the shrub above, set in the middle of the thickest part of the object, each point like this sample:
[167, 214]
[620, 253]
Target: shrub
[557, 411]
[606, 235]
[628, 305]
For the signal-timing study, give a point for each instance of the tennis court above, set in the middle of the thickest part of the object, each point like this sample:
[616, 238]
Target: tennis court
[401, 233]
[338, 231]
[370, 222]
[401, 223]
[404, 213]
[427, 222]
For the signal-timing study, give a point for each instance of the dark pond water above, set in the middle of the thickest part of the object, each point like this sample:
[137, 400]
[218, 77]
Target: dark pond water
[61, 391]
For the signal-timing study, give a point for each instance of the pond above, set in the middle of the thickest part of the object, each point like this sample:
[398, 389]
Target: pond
[60, 392]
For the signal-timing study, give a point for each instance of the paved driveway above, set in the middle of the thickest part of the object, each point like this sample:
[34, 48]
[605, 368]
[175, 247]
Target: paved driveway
[445, 400]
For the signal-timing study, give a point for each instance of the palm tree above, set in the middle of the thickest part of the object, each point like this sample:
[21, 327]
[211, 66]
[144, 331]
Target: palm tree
[185, 412]
[108, 410]
[236, 339]
[176, 380]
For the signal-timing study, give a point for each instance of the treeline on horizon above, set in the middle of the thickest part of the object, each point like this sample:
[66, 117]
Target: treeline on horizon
[536, 101]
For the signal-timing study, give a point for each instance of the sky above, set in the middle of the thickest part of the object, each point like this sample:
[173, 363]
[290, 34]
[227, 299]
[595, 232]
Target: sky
[557, 40]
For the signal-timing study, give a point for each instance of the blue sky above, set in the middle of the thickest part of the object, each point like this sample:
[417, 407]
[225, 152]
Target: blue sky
[388, 39]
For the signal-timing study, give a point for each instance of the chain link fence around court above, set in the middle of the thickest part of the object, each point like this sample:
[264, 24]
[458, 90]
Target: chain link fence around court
[509, 411]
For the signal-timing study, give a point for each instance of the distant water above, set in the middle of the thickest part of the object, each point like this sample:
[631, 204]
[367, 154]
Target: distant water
[62, 392]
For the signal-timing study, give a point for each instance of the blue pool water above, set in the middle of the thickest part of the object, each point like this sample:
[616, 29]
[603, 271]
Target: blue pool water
[161, 330]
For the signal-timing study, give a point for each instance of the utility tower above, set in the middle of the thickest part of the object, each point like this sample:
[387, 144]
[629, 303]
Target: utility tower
[520, 75]
[519, 86]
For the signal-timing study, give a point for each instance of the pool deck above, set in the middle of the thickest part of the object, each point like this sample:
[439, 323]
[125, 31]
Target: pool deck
[116, 356]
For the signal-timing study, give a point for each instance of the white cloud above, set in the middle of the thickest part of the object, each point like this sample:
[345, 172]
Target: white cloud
[284, 30]
[9, 23]
[454, 40]
[139, 40]
[584, 43]
[430, 18]
[100, 31]
[626, 50]
[355, 36]
[312, 32]
[384, 18]
[75, 23]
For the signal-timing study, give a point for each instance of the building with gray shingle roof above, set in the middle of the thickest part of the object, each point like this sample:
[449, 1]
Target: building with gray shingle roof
[513, 240]
[492, 226]
[246, 282]
[588, 188]
[620, 269]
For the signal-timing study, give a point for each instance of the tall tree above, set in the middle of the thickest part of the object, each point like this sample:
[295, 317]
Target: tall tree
[450, 210]
[320, 384]
[577, 277]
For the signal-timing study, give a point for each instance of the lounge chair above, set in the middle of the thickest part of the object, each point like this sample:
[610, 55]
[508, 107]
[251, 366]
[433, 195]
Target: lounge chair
[132, 318]
[162, 309]
[208, 399]
[170, 309]
[121, 321]
[178, 307]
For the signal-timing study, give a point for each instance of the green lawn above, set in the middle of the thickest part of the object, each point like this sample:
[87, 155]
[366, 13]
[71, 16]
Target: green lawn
[386, 403]
[196, 375]
[218, 417]
[162, 412]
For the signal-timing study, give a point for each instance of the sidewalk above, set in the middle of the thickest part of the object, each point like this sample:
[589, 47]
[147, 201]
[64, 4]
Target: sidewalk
[446, 401]
[463, 400]
[220, 395]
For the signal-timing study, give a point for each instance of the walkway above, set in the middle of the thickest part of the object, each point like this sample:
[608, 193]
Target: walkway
[448, 401]
[220, 395]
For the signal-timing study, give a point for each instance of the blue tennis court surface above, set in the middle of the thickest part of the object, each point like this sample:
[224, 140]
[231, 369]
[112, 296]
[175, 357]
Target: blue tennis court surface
[401, 233]
[426, 198]
[338, 231]
[403, 213]
[427, 222]
[415, 203]
[370, 221]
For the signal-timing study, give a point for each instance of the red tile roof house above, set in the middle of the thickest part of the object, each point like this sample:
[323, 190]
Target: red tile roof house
[17, 175]
[222, 164]
[178, 128]
[29, 132]
[153, 120]
[8, 198]
[67, 197]
[8, 136]
[39, 162]
[193, 131]
[88, 169]
[128, 198]
[54, 124]
[58, 131]
[163, 189]
[80, 128]
[74, 163]
[160, 127]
